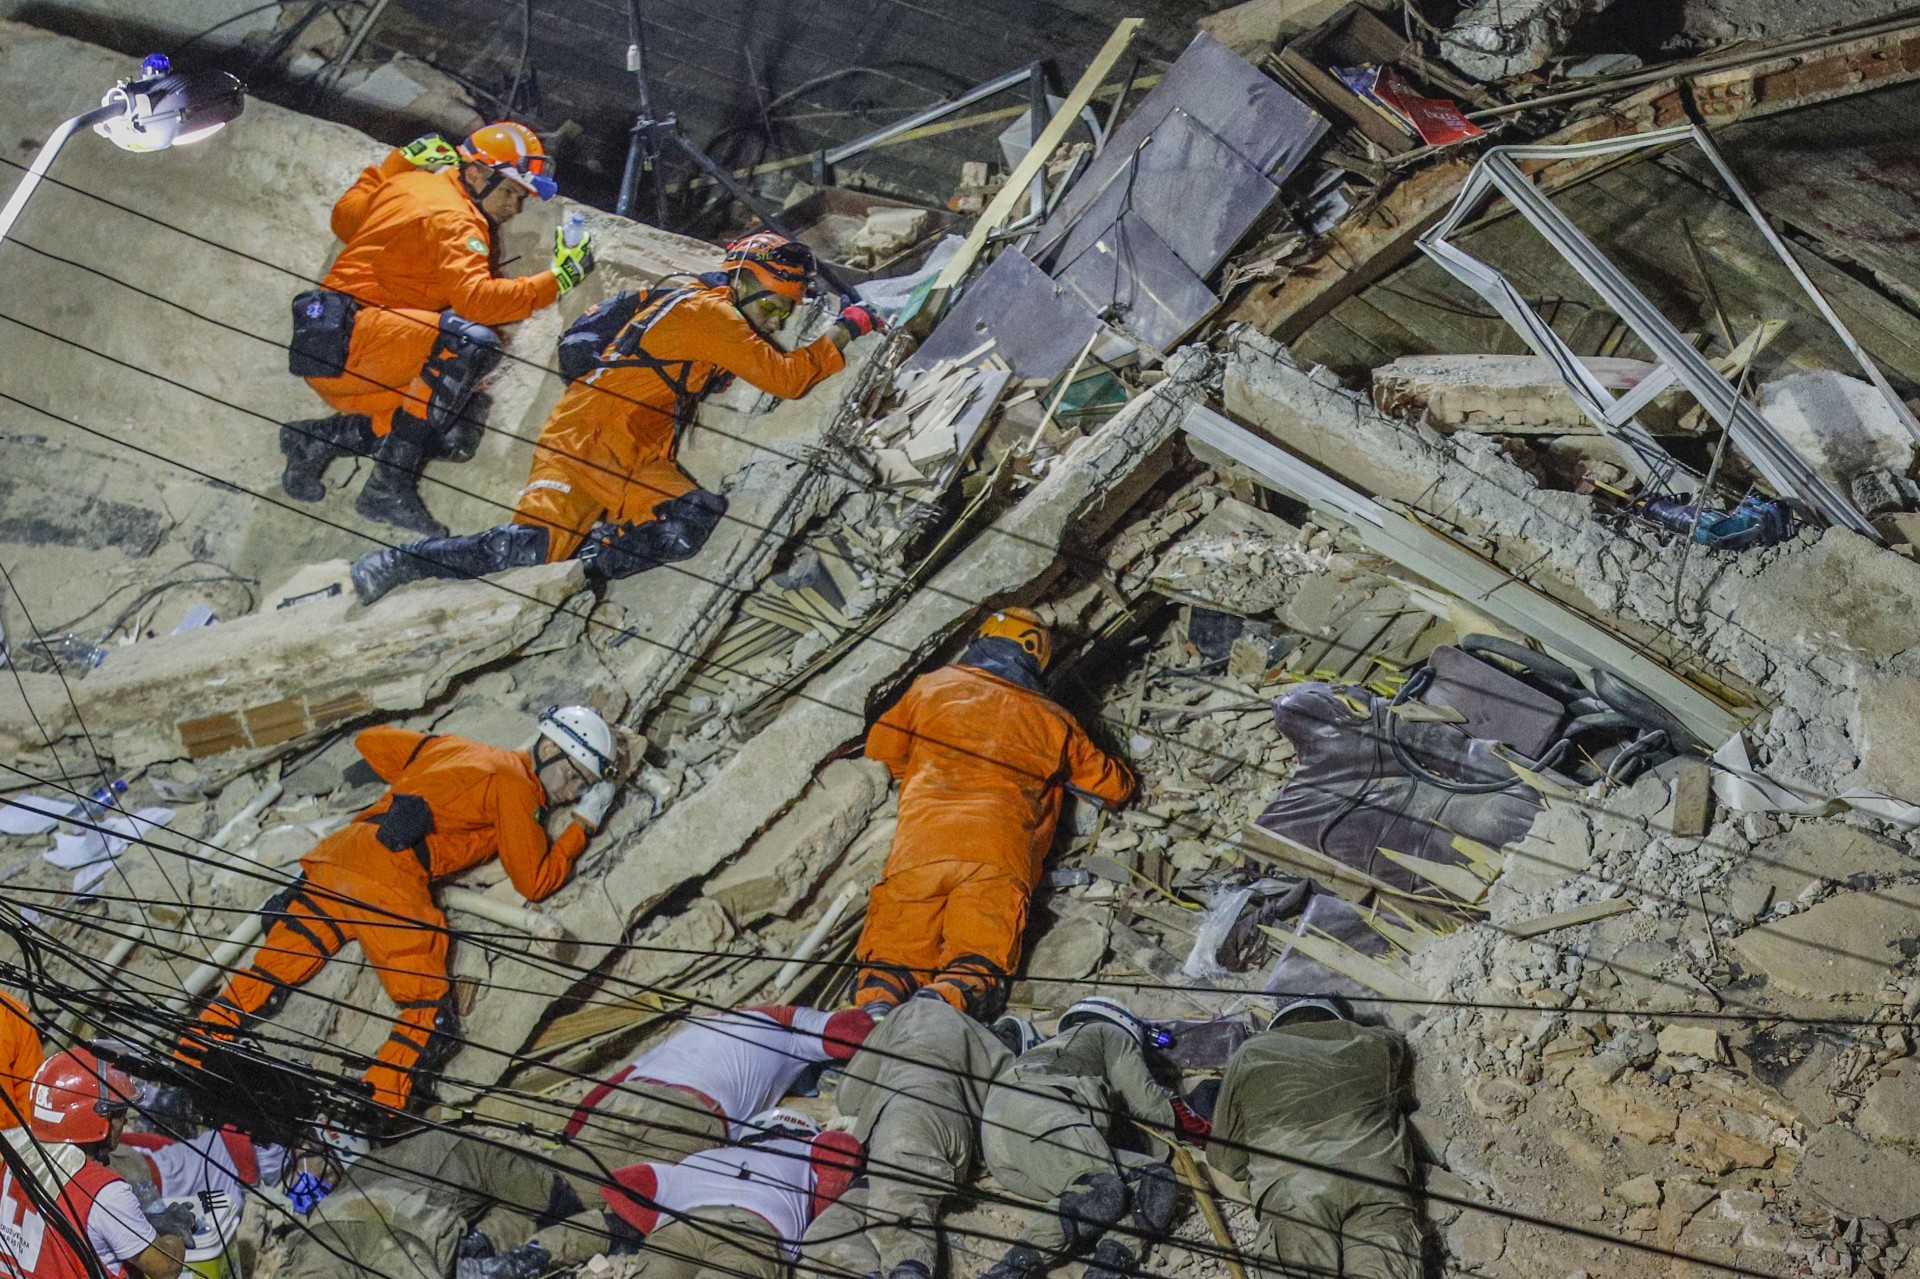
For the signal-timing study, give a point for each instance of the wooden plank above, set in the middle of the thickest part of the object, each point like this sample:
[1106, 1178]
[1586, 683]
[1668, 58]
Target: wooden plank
[1348, 962]
[1356, 886]
[1455, 881]
[1585, 914]
[1015, 190]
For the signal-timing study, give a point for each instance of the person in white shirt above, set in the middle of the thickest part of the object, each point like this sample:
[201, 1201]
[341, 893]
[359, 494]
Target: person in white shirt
[693, 1090]
[738, 1212]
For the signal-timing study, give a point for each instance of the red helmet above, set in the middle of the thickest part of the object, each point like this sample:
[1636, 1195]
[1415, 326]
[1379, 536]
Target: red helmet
[514, 152]
[76, 1097]
[779, 264]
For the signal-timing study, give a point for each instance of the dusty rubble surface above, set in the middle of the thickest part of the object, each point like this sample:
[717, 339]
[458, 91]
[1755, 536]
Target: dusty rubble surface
[1653, 1030]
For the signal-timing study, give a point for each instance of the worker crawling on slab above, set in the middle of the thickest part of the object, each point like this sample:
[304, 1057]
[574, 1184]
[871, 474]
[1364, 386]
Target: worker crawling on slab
[1315, 1097]
[451, 804]
[696, 1089]
[1048, 1134]
[605, 487]
[914, 1092]
[982, 755]
[400, 332]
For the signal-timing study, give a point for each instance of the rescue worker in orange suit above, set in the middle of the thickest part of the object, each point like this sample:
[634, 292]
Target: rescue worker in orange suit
[451, 805]
[401, 331]
[20, 1058]
[75, 1201]
[605, 486]
[982, 755]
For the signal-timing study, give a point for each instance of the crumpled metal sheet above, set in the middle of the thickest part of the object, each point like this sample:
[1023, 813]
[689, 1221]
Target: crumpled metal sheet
[1195, 191]
[1349, 797]
[1155, 298]
[1037, 325]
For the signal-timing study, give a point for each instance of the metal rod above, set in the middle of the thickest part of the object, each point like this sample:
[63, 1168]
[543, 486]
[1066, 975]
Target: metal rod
[1037, 115]
[643, 148]
[720, 174]
[1011, 80]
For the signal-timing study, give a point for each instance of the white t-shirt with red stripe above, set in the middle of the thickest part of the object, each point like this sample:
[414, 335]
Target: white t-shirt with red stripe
[785, 1181]
[747, 1059]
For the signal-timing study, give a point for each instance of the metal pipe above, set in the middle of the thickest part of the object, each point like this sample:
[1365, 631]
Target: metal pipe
[255, 806]
[1011, 80]
[524, 919]
[811, 943]
[244, 935]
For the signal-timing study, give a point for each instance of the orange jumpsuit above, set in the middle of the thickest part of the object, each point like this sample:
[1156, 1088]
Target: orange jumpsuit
[416, 245]
[607, 449]
[479, 801]
[981, 763]
[20, 1058]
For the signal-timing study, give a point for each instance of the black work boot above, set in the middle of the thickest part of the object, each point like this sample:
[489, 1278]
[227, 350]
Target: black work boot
[468, 556]
[1021, 1262]
[1111, 1259]
[392, 492]
[312, 444]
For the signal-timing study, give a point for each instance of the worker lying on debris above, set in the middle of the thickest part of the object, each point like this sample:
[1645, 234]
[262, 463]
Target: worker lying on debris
[399, 333]
[982, 755]
[451, 805]
[914, 1092]
[428, 1201]
[605, 486]
[1313, 1098]
[20, 1058]
[79, 1109]
[738, 1212]
[1045, 1136]
[695, 1089]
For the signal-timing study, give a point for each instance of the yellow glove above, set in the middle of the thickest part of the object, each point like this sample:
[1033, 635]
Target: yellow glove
[430, 151]
[571, 263]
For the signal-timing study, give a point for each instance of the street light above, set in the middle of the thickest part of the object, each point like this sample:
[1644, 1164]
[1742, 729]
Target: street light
[161, 109]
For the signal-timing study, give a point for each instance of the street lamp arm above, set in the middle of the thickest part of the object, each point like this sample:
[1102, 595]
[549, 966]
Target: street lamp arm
[43, 161]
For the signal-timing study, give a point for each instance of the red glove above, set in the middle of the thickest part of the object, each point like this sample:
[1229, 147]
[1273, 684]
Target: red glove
[859, 321]
[1192, 1128]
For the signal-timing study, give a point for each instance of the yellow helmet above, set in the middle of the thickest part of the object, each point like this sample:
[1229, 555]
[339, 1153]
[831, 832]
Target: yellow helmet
[1024, 627]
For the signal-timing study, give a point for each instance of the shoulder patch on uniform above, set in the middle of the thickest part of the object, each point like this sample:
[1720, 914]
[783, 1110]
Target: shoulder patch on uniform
[475, 243]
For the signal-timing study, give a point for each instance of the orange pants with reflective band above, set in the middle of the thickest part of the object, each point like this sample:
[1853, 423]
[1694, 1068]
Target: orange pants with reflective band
[954, 926]
[404, 941]
[389, 349]
[567, 500]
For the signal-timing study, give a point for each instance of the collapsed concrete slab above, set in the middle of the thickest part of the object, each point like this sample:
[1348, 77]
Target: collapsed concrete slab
[277, 679]
[1820, 632]
[1506, 393]
[774, 768]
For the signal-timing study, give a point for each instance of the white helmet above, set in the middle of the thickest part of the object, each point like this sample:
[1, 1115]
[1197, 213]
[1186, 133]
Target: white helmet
[583, 737]
[1094, 1008]
[778, 1121]
[1311, 1009]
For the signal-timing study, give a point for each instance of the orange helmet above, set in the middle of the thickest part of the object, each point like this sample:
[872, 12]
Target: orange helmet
[76, 1098]
[513, 151]
[1024, 627]
[780, 265]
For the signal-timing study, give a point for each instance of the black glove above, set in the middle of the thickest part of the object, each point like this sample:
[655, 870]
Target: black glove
[176, 1219]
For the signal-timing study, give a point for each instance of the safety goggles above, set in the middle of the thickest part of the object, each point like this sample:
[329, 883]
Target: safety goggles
[770, 306]
[534, 172]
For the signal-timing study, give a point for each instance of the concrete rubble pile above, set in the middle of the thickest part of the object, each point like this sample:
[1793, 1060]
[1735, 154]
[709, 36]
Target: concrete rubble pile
[1433, 702]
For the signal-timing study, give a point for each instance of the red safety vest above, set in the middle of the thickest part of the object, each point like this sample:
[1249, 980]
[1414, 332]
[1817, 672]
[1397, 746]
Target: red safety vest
[29, 1248]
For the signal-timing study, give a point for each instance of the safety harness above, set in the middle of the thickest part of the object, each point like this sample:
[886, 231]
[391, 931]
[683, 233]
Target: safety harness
[628, 347]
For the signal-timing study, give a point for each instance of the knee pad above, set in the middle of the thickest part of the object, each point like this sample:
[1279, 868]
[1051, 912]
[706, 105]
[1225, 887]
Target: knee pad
[516, 545]
[1153, 1192]
[1092, 1203]
[687, 521]
[463, 353]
